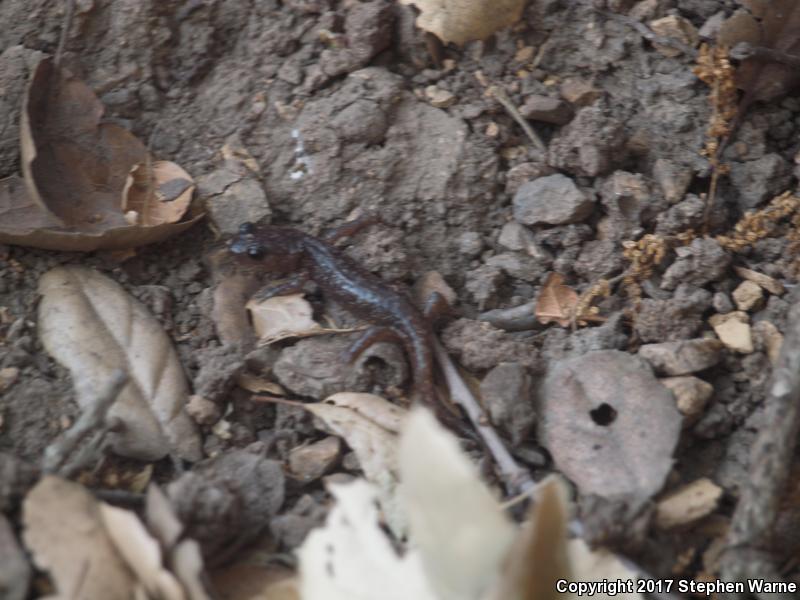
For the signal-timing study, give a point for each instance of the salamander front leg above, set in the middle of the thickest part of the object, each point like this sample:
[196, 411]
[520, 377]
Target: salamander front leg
[350, 228]
[293, 285]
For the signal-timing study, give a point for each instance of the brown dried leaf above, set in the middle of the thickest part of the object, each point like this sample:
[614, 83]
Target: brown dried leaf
[67, 538]
[74, 165]
[609, 424]
[461, 21]
[75, 170]
[556, 301]
[780, 30]
[92, 326]
[245, 581]
[157, 194]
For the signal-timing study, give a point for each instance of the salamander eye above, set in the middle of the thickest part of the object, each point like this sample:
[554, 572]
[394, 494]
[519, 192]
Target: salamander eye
[247, 228]
[255, 251]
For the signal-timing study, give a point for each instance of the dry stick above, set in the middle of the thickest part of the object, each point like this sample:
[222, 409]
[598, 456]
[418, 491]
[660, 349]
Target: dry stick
[62, 40]
[501, 96]
[92, 420]
[516, 479]
[770, 462]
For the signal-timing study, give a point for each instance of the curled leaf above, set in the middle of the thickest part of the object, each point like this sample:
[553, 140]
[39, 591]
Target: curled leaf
[81, 173]
[92, 326]
[556, 301]
[461, 21]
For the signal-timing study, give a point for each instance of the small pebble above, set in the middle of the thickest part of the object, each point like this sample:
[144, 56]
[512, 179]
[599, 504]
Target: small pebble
[309, 463]
[733, 330]
[691, 395]
[682, 357]
[748, 295]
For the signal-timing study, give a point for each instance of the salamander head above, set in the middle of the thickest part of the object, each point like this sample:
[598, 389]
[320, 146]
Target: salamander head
[246, 242]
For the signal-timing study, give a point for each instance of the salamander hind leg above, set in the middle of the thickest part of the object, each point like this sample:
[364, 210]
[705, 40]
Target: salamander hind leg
[371, 336]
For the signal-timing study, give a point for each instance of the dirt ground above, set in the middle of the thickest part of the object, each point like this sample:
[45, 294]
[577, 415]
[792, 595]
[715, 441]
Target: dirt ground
[345, 109]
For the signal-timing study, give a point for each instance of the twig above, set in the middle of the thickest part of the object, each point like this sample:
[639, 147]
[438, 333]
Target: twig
[516, 479]
[501, 96]
[67, 25]
[770, 462]
[93, 420]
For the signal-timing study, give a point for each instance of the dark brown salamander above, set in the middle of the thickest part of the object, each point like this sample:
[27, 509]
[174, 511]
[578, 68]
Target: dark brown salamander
[283, 250]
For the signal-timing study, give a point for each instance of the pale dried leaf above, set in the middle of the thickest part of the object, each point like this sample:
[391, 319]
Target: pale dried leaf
[259, 385]
[187, 563]
[161, 518]
[461, 21]
[609, 424]
[65, 534]
[688, 504]
[455, 522]
[246, 581]
[282, 316]
[371, 407]
[351, 558]
[157, 193]
[374, 446]
[556, 301]
[92, 326]
[140, 551]
[539, 558]
[597, 565]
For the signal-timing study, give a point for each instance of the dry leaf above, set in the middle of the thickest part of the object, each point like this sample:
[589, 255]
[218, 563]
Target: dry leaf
[65, 534]
[255, 582]
[351, 557]
[455, 522]
[374, 445]
[373, 408]
[591, 566]
[229, 314]
[76, 170]
[140, 551]
[461, 21]
[609, 424]
[259, 385]
[281, 317]
[158, 193]
[92, 326]
[690, 503]
[539, 556]
[780, 31]
[556, 301]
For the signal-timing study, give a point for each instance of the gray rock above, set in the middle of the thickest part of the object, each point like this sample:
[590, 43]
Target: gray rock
[699, 263]
[15, 572]
[686, 214]
[551, 200]
[683, 357]
[507, 391]
[524, 172]
[760, 179]
[672, 178]
[483, 283]
[677, 318]
[610, 426]
[546, 109]
[591, 144]
[518, 265]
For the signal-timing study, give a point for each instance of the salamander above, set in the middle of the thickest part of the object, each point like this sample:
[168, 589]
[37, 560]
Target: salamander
[288, 251]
